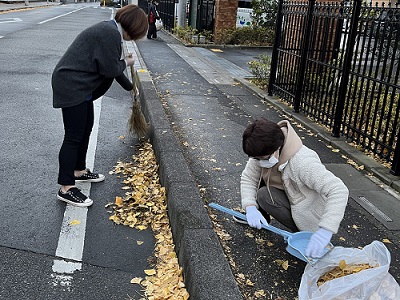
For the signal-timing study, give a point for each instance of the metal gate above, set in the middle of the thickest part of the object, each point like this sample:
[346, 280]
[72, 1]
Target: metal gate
[205, 18]
[338, 63]
[167, 11]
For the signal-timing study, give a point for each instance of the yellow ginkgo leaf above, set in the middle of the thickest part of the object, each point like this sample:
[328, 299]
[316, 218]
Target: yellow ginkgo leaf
[342, 264]
[139, 242]
[259, 293]
[285, 265]
[249, 283]
[136, 280]
[118, 201]
[114, 218]
[386, 241]
[75, 222]
[150, 272]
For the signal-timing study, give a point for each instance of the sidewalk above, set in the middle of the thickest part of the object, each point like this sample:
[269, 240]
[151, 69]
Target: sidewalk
[9, 5]
[198, 104]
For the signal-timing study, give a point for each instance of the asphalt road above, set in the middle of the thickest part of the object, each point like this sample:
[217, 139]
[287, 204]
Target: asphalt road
[36, 235]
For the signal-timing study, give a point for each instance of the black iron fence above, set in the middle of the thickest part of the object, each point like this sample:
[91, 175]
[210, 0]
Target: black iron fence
[338, 63]
[167, 11]
[205, 17]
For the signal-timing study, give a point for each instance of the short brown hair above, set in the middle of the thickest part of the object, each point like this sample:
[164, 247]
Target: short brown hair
[133, 20]
[262, 137]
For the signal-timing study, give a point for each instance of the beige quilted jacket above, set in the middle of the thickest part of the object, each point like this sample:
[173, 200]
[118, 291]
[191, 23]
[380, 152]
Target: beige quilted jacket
[318, 198]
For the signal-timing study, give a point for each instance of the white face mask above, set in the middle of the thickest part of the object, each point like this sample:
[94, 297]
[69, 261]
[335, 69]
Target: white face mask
[268, 163]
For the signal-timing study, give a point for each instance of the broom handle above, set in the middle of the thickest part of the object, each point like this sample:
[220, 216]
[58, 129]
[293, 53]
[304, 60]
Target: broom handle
[133, 80]
[133, 75]
[133, 83]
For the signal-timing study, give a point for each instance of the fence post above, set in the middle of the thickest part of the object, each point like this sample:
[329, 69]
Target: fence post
[344, 81]
[277, 41]
[303, 58]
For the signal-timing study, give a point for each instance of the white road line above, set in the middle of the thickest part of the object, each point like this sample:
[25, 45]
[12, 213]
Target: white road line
[10, 20]
[72, 234]
[48, 20]
[73, 228]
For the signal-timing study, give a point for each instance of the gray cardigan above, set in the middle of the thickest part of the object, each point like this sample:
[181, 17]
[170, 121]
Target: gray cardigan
[89, 66]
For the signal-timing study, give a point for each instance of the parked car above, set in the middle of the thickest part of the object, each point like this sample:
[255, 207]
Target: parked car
[111, 3]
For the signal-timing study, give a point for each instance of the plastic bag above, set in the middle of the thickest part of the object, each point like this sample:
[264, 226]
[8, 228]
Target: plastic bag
[372, 284]
[159, 24]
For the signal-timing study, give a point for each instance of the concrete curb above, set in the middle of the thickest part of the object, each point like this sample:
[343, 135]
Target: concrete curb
[206, 270]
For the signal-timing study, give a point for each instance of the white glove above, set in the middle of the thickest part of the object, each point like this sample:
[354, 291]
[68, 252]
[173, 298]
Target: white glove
[254, 217]
[318, 241]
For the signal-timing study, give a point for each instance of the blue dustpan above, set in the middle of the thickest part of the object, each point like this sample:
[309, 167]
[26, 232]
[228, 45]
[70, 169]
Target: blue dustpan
[297, 241]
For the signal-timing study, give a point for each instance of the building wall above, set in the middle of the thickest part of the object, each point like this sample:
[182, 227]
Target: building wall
[225, 17]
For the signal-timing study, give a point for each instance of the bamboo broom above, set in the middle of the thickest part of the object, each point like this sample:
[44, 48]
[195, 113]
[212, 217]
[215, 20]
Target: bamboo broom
[137, 121]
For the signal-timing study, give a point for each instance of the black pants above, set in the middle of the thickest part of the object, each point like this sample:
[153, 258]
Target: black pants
[152, 31]
[78, 122]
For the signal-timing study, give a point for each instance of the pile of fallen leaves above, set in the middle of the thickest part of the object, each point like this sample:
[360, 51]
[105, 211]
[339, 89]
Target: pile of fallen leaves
[143, 206]
[343, 269]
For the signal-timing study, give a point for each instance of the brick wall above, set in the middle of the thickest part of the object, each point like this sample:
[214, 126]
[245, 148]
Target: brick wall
[225, 17]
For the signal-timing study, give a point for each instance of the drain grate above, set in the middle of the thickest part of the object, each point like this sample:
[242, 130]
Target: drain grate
[374, 210]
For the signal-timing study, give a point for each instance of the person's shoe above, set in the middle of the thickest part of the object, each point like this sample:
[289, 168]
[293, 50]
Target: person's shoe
[90, 177]
[237, 220]
[74, 197]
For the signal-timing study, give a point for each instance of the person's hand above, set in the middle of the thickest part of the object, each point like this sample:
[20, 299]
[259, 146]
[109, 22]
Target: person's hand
[254, 217]
[318, 241]
[135, 92]
[130, 61]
